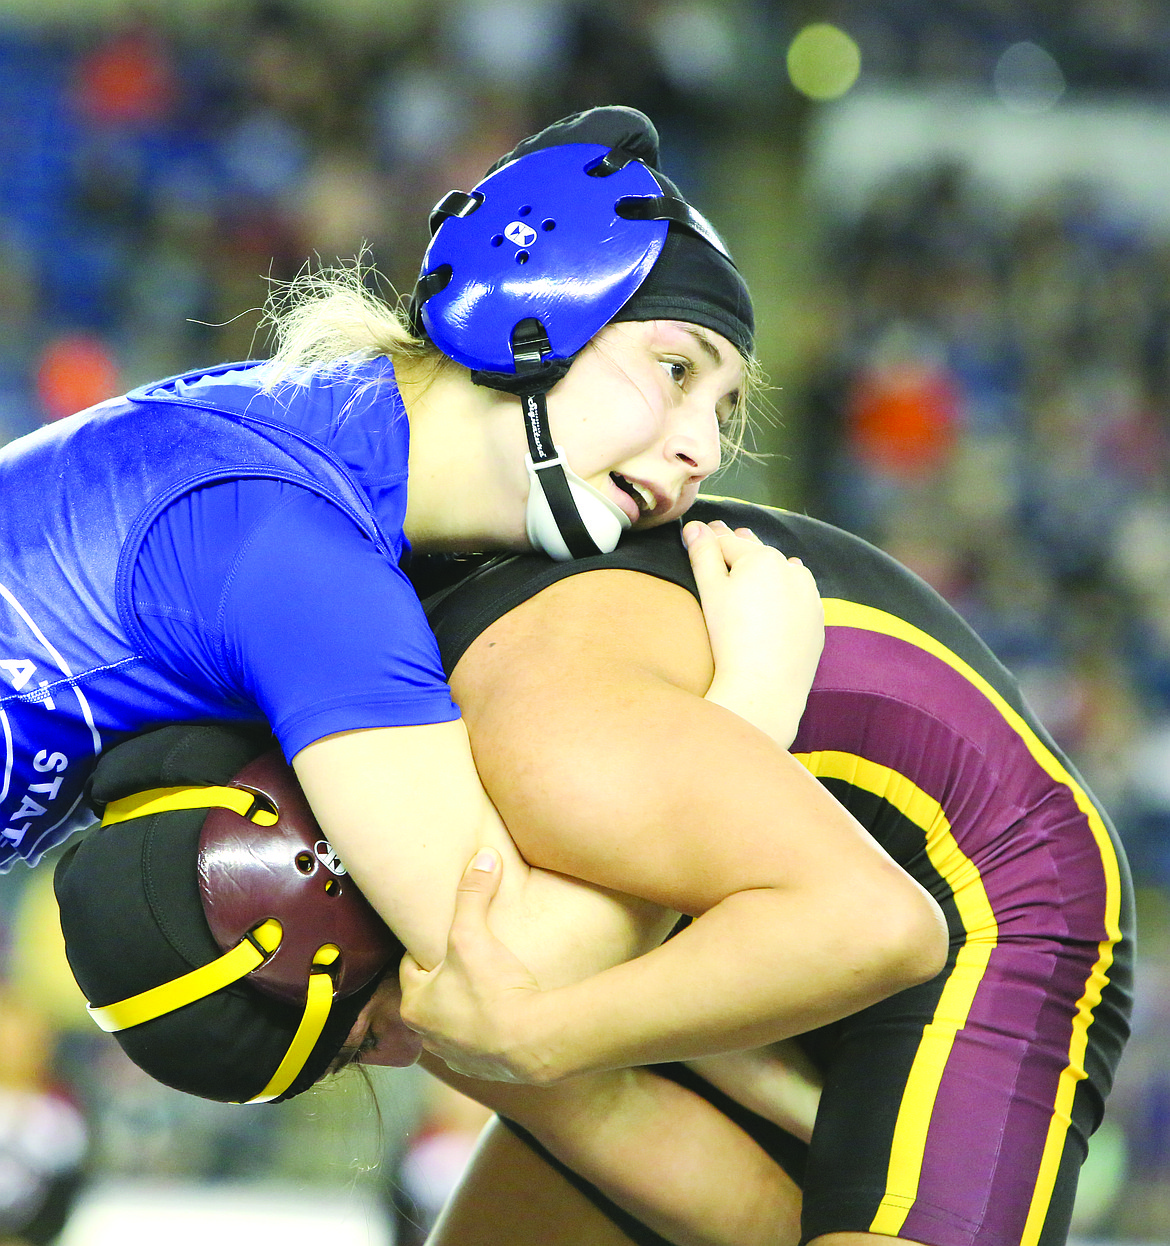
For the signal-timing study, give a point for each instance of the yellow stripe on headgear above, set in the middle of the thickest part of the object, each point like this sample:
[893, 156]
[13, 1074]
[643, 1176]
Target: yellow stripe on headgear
[250, 953]
[168, 799]
[316, 1013]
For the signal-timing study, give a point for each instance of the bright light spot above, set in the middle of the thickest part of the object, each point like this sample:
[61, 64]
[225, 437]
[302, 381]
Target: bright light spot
[823, 61]
[1028, 79]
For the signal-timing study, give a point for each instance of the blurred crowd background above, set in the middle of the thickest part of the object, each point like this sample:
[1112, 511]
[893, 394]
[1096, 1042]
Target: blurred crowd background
[955, 217]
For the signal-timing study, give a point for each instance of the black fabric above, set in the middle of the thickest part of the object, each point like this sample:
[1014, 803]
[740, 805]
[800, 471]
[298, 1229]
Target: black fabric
[611, 126]
[174, 756]
[132, 916]
[845, 566]
[692, 282]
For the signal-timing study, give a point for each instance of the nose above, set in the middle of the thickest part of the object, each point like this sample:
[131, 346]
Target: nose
[695, 441]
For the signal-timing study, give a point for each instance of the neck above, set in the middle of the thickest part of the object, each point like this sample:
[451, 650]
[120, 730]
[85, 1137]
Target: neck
[467, 484]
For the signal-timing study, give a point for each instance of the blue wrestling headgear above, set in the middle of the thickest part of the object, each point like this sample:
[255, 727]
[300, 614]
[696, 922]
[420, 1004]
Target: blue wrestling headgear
[573, 229]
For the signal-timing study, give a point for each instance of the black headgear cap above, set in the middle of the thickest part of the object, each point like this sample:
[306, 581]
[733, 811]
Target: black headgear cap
[133, 917]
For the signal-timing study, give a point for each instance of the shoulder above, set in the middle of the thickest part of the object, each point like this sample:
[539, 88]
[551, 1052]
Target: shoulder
[866, 591]
[460, 613]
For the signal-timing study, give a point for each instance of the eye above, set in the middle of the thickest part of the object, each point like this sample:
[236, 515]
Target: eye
[352, 1054]
[344, 1058]
[727, 410]
[678, 370]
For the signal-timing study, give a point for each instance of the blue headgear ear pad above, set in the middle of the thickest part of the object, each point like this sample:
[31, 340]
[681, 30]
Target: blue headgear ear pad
[540, 238]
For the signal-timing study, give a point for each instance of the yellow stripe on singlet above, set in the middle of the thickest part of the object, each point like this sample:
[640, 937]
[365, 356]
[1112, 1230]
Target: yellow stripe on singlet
[908, 1145]
[979, 922]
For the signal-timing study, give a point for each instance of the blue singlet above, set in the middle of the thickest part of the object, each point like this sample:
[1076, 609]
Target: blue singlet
[204, 548]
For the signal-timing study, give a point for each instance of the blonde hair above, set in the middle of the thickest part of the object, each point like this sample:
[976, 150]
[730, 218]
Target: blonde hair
[323, 316]
[331, 314]
[742, 425]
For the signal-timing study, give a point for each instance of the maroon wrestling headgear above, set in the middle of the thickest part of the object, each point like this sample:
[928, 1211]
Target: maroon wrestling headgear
[210, 924]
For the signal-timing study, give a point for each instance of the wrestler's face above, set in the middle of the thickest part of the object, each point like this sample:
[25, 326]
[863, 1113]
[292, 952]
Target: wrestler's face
[378, 1035]
[640, 411]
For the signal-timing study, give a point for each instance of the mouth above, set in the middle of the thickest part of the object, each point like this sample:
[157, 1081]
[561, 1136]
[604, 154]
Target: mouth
[643, 499]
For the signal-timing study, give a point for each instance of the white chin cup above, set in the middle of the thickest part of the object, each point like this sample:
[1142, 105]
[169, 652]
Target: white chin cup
[604, 520]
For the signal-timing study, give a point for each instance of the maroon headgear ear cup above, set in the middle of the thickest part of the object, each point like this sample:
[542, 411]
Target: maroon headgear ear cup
[287, 871]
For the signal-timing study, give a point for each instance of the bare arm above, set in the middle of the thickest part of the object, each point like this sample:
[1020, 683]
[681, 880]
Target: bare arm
[654, 1148]
[406, 810]
[586, 712]
[778, 1082]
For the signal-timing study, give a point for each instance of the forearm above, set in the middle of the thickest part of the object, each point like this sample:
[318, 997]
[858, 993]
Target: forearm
[658, 1151]
[565, 931]
[728, 982]
[808, 938]
[776, 717]
[405, 810]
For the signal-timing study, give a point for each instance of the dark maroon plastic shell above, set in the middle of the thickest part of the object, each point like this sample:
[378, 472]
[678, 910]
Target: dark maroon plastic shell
[248, 873]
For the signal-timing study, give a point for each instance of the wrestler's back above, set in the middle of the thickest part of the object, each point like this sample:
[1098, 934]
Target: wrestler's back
[967, 1101]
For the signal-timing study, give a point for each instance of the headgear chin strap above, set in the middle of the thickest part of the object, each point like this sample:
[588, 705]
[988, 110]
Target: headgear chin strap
[565, 517]
[589, 522]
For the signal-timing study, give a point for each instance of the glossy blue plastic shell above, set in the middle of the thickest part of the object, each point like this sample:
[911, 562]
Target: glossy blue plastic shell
[547, 243]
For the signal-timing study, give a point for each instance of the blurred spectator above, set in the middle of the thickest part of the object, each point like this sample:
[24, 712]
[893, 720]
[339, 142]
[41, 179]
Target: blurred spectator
[43, 1138]
[75, 371]
[509, 44]
[127, 81]
[903, 409]
[433, 1162]
[1000, 379]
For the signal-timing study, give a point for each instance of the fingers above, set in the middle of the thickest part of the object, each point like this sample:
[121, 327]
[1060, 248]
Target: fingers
[714, 548]
[696, 528]
[708, 561]
[473, 898]
[476, 890]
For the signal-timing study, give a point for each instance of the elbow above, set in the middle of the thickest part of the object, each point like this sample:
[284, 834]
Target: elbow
[915, 941]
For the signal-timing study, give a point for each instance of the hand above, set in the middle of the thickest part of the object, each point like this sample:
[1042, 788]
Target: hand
[765, 621]
[472, 1009]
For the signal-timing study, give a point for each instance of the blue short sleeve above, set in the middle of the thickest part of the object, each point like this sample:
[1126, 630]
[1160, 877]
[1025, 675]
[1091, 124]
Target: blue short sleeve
[269, 596]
